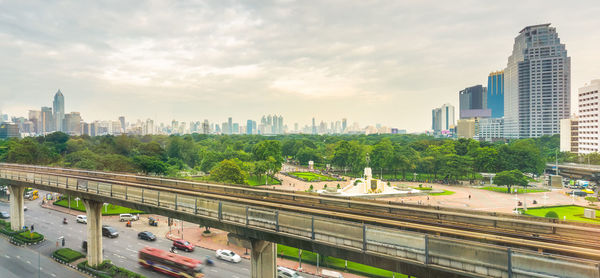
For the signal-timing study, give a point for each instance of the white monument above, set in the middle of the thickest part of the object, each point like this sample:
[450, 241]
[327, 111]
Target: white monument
[311, 165]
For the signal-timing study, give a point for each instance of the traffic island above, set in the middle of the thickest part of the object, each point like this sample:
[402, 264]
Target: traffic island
[21, 237]
[107, 270]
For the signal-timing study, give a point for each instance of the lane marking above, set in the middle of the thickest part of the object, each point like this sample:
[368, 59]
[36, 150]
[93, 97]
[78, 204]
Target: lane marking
[131, 250]
[7, 256]
[28, 262]
[53, 275]
[213, 270]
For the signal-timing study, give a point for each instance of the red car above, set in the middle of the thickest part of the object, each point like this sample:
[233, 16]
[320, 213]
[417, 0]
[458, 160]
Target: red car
[183, 245]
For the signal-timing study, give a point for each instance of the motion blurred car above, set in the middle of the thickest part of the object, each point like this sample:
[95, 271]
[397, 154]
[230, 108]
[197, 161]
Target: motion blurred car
[82, 219]
[4, 215]
[147, 236]
[228, 255]
[109, 231]
[284, 272]
[183, 245]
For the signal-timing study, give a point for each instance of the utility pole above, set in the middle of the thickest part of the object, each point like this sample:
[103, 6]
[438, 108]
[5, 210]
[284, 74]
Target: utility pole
[556, 160]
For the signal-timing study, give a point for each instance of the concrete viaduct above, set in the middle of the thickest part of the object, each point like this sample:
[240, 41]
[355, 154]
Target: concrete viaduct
[417, 241]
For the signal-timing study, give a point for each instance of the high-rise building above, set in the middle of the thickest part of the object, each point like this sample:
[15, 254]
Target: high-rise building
[442, 118]
[473, 102]
[205, 127]
[9, 130]
[490, 129]
[495, 94]
[72, 123]
[229, 129]
[537, 82]
[314, 127]
[122, 120]
[589, 118]
[59, 111]
[35, 116]
[344, 125]
[47, 120]
[251, 127]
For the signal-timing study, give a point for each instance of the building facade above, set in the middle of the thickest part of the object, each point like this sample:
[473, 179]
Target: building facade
[495, 94]
[442, 118]
[537, 82]
[589, 118]
[58, 107]
[473, 102]
[491, 129]
[569, 136]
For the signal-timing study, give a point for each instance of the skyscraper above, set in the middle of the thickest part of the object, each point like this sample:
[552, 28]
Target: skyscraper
[537, 79]
[442, 118]
[495, 94]
[344, 125]
[59, 111]
[35, 116]
[589, 117]
[314, 127]
[122, 120]
[473, 103]
[229, 129]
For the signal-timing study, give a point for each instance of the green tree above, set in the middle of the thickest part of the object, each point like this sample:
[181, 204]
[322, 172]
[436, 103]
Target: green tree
[227, 171]
[150, 164]
[510, 178]
[382, 155]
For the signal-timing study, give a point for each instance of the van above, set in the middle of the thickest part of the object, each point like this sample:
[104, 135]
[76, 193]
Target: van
[127, 217]
[109, 231]
[284, 272]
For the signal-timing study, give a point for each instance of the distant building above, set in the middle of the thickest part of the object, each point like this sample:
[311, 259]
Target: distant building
[35, 116]
[589, 118]
[495, 94]
[467, 128]
[442, 118]
[47, 120]
[205, 127]
[473, 103]
[490, 129]
[72, 123]
[122, 121]
[569, 135]
[59, 111]
[229, 129]
[537, 84]
[9, 130]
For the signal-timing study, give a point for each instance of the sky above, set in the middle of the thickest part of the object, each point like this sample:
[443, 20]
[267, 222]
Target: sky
[386, 62]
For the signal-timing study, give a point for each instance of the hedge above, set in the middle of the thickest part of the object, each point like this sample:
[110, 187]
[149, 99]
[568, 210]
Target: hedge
[107, 270]
[67, 255]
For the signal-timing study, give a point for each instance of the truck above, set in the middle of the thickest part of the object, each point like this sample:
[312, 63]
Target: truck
[582, 183]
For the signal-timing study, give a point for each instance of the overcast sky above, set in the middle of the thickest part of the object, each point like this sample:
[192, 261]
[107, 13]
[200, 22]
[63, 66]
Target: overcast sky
[387, 62]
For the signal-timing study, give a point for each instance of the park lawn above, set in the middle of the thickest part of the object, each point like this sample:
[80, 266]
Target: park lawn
[331, 262]
[572, 213]
[310, 177]
[519, 190]
[446, 192]
[254, 180]
[106, 210]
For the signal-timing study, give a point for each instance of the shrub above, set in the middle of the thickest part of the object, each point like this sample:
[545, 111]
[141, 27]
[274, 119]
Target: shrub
[551, 214]
[338, 186]
[28, 237]
[67, 255]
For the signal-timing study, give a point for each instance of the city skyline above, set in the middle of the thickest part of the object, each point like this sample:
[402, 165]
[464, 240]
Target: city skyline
[253, 59]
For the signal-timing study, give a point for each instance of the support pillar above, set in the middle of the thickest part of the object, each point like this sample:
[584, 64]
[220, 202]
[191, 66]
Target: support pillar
[17, 216]
[263, 260]
[263, 257]
[94, 231]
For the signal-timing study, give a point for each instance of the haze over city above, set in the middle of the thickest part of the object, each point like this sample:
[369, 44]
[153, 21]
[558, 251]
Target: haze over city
[371, 62]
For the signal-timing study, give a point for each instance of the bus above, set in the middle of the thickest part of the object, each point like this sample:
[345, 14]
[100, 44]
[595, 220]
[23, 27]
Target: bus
[170, 263]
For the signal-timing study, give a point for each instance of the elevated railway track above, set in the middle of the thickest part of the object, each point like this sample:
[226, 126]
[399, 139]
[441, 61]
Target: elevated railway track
[538, 234]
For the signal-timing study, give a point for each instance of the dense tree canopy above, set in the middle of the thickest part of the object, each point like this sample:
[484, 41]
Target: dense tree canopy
[395, 155]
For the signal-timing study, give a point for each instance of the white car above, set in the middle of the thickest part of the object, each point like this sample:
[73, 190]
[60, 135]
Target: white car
[228, 255]
[127, 217]
[284, 272]
[82, 219]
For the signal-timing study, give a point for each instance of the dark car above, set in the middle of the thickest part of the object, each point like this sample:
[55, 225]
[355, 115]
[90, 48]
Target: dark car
[4, 215]
[183, 245]
[109, 231]
[147, 236]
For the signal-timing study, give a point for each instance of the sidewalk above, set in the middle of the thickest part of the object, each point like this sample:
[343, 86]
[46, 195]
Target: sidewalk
[218, 240]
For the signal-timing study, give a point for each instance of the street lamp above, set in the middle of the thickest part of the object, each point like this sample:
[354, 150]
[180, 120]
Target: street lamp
[76, 201]
[105, 207]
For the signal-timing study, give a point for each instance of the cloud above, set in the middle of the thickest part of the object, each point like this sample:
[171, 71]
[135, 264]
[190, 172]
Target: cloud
[214, 59]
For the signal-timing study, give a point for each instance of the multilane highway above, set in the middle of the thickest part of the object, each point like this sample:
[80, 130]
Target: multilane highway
[122, 251]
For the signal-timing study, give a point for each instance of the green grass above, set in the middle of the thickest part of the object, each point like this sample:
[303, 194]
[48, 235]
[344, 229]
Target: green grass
[312, 177]
[254, 180]
[572, 213]
[28, 237]
[106, 210]
[421, 188]
[68, 255]
[446, 192]
[331, 262]
[504, 189]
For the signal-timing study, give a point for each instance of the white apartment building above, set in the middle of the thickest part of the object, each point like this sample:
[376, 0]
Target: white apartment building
[589, 117]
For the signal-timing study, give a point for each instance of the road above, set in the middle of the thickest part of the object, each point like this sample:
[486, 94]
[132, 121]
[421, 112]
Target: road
[122, 251]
